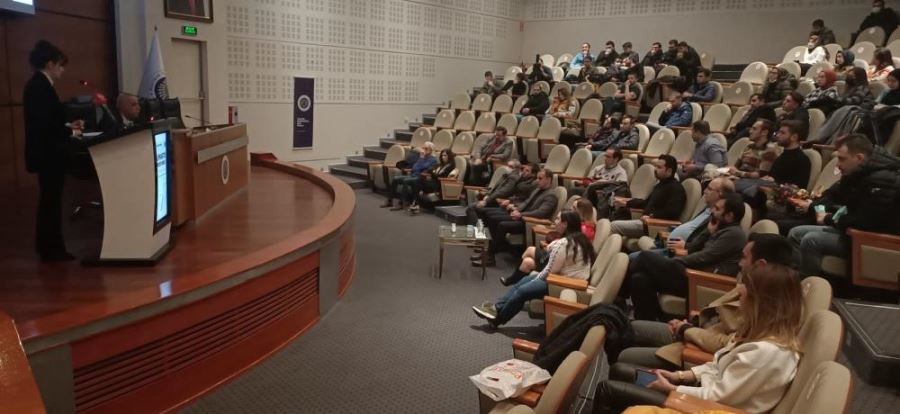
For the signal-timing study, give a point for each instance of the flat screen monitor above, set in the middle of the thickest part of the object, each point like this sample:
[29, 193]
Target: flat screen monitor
[161, 150]
[21, 6]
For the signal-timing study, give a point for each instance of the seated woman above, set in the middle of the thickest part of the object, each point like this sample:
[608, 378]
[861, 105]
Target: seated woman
[857, 92]
[843, 60]
[751, 373]
[563, 105]
[429, 187]
[571, 255]
[891, 96]
[825, 96]
[882, 64]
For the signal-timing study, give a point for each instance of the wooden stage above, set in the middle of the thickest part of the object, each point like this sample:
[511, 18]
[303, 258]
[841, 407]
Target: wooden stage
[242, 281]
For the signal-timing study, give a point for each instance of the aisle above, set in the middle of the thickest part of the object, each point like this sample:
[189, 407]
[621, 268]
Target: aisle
[400, 341]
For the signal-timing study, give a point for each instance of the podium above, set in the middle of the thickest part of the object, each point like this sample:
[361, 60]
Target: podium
[211, 163]
[134, 170]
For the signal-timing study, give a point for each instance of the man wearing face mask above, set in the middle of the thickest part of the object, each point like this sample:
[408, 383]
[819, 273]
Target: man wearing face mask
[883, 17]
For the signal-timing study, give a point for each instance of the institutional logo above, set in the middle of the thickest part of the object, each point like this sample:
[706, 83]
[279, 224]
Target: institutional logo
[304, 103]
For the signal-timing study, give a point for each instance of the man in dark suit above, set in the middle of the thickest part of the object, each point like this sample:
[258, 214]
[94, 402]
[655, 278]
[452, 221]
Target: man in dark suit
[46, 137]
[126, 115]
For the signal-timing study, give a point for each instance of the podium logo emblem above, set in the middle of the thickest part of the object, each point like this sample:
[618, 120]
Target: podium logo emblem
[304, 103]
[225, 169]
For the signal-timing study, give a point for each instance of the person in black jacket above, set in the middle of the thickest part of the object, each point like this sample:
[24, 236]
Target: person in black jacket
[866, 198]
[791, 167]
[46, 138]
[665, 201]
[717, 249]
[537, 104]
[608, 56]
[885, 18]
[758, 110]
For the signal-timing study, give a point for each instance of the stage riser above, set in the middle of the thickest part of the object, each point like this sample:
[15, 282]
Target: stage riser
[161, 363]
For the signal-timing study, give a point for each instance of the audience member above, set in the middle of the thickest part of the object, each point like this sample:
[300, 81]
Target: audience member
[826, 35]
[756, 160]
[507, 219]
[865, 198]
[582, 57]
[843, 60]
[537, 104]
[490, 86]
[608, 128]
[665, 201]
[659, 344]
[671, 53]
[687, 60]
[629, 55]
[483, 156]
[702, 90]
[791, 167]
[814, 53]
[751, 373]
[628, 92]
[608, 57]
[677, 114]
[779, 83]
[516, 86]
[571, 255]
[758, 110]
[625, 137]
[425, 192]
[708, 152]
[881, 65]
[858, 92]
[513, 187]
[654, 57]
[604, 180]
[563, 105]
[885, 18]
[825, 97]
[540, 71]
[891, 96]
[587, 73]
[792, 105]
[402, 186]
[585, 211]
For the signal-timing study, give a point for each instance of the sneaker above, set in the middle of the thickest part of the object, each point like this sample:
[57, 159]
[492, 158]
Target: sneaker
[486, 311]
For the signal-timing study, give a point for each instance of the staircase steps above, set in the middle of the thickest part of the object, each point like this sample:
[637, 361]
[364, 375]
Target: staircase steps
[355, 177]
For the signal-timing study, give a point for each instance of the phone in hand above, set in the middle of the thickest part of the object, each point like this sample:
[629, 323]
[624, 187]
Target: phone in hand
[644, 377]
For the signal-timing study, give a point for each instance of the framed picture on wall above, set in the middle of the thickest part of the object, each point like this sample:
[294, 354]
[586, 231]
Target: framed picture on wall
[199, 10]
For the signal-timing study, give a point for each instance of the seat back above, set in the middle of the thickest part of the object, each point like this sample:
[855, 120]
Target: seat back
[528, 127]
[833, 49]
[643, 182]
[764, 227]
[607, 288]
[748, 218]
[738, 93]
[608, 89]
[721, 138]
[558, 73]
[694, 195]
[395, 154]
[548, 60]
[643, 136]
[580, 163]
[894, 45]
[550, 128]
[794, 54]
[482, 102]
[737, 148]
[815, 69]
[815, 166]
[445, 118]
[462, 144]
[511, 72]
[817, 295]
[465, 121]
[805, 87]
[420, 137]
[563, 58]
[874, 34]
[683, 148]
[738, 115]
[861, 64]
[520, 102]
[563, 387]
[660, 142]
[820, 341]
[657, 112]
[462, 164]
[560, 84]
[583, 90]
[611, 246]
[696, 112]
[487, 121]
[544, 85]
[649, 73]
[863, 50]
[628, 165]
[707, 60]
[460, 101]
[827, 177]
[791, 67]
[592, 109]
[502, 104]
[755, 73]
[498, 173]
[601, 233]
[670, 70]
[510, 122]
[558, 159]
[717, 87]
[828, 391]
[443, 139]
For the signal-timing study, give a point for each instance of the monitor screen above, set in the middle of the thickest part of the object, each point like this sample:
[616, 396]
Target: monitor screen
[161, 151]
[21, 6]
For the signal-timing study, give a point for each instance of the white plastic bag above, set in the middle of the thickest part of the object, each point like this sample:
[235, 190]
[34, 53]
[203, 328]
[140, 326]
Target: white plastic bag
[509, 378]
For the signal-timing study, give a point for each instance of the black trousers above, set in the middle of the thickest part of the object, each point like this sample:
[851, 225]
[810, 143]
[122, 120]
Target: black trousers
[620, 392]
[651, 274]
[501, 224]
[48, 229]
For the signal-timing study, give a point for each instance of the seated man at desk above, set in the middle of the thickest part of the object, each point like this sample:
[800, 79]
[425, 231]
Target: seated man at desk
[126, 115]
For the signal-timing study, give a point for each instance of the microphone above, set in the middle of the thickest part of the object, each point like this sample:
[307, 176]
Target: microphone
[202, 122]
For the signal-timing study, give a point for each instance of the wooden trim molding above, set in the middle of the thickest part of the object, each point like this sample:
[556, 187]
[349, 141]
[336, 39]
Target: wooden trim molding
[18, 391]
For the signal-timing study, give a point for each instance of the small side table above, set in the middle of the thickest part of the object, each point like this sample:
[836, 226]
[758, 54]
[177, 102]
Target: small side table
[462, 237]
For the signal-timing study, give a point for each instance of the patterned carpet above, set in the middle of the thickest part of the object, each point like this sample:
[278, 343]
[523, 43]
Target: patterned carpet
[401, 340]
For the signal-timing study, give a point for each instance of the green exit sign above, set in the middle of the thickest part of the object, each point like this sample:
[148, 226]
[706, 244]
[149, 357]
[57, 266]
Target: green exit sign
[189, 30]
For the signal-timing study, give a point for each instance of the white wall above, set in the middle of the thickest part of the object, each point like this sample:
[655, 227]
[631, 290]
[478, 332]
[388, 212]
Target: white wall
[376, 62]
[736, 31]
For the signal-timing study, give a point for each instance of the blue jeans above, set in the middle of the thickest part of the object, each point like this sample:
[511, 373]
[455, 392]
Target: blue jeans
[402, 187]
[811, 243]
[530, 287]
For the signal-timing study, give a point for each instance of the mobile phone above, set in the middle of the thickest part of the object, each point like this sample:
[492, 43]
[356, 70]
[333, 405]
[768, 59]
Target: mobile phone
[644, 377]
[820, 209]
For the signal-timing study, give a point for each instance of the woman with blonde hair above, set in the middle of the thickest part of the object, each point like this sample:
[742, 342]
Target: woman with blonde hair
[563, 105]
[751, 373]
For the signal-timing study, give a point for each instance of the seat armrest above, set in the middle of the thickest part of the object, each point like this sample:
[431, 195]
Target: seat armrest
[534, 220]
[637, 211]
[567, 282]
[526, 346]
[570, 177]
[529, 397]
[822, 147]
[697, 278]
[632, 152]
[655, 222]
[541, 229]
[648, 156]
[694, 355]
[868, 236]
[690, 404]
[559, 303]
[475, 188]
[447, 179]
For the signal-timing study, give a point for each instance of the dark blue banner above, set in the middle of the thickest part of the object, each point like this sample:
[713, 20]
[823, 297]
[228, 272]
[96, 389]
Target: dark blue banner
[304, 91]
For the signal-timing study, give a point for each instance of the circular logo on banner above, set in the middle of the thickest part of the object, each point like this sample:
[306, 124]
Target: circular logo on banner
[303, 103]
[161, 88]
[226, 169]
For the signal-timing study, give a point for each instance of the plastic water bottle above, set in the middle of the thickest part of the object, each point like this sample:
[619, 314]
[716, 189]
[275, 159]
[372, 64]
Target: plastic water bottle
[452, 227]
[479, 225]
[470, 230]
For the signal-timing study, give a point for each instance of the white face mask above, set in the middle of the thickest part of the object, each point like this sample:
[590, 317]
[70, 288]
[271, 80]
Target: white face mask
[876, 9]
[811, 45]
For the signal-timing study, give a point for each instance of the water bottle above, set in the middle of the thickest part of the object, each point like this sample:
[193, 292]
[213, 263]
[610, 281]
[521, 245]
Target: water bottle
[452, 227]
[479, 225]
[470, 230]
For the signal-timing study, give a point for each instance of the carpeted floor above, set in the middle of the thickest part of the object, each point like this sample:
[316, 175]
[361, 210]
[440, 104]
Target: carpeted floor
[402, 341]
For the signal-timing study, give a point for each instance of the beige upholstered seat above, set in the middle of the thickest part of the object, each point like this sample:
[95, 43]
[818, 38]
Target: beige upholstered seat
[764, 227]
[734, 153]
[510, 122]
[601, 233]
[718, 116]
[683, 147]
[560, 84]
[608, 89]
[520, 102]
[707, 59]
[660, 143]
[628, 165]
[547, 137]
[861, 64]
[502, 104]
[794, 55]
[874, 34]
[737, 115]
[877, 88]
[643, 136]
[827, 177]
[643, 182]
[815, 166]
[592, 110]
[482, 102]
[452, 187]
[583, 90]
[578, 168]
[649, 73]
[462, 144]
[817, 295]
[420, 137]
[607, 281]
[738, 93]
[487, 121]
[805, 87]
[755, 73]
[833, 49]
[511, 72]
[894, 45]
[544, 85]
[465, 121]
[442, 140]
[377, 171]
[656, 113]
[548, 60]
[815, 69]
[558, 159]
[528, 127]
[472, 191]
[460, 101]
[558, 395]
[864, 50]
[444, 119]
[563, 58]
[670, 70]
[791, 67]
[558, 73]
[717, 96]
[696, 112]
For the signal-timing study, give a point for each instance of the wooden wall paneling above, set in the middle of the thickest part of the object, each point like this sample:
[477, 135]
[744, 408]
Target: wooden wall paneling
[8, 152]
[23, 177]
[5, 92]
[91, 9]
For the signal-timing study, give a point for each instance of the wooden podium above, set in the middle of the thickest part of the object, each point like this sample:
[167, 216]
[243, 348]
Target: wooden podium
[211, 163]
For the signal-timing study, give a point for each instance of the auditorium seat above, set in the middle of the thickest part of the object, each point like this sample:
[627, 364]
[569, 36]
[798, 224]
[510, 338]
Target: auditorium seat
[805, 87]
[815, 69]
[462, 144]
[608, 90]
[442, 140]
[380, 174]
[862, 64]
[558, 159]
[717, 97]
[719, 117]
[877, 88]
[643, 136]
[683, 146]
[660, 143]
[487, 121]
[633, 108]
[649, 74]
[502, 104]
[874, 35]
[510, 122]
[755, 73]
[864, 50]
[643, 182]
[555, 397]
[511, 72]
[558, 73]
[578, 168]
[560, 84]
[528, 132]
[737, 148]
[656, 113]
[694, 195]
[738, 94]
[795, 54]
[894, 45]
[626, 163]
[815, 166]
[444, 119]
[452, 187]
[472, 190]
[548, 135]
[583, 90]
[670, 70]
[545, 86]
[460, 101]
[563, 58]
[592, 110]
[482, 102]
[420, 137]
[465, 121]
[548, 60]
[520, 102]
[707, 60]
[582, 290]
[791, 67]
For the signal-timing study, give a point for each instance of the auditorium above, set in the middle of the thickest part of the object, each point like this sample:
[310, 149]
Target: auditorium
[449, 206]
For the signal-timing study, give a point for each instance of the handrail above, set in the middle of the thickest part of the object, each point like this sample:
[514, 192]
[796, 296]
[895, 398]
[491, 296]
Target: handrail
[19, 393]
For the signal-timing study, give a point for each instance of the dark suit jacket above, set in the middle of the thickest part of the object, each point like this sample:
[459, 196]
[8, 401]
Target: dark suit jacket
[540, 204]
[46, 133]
